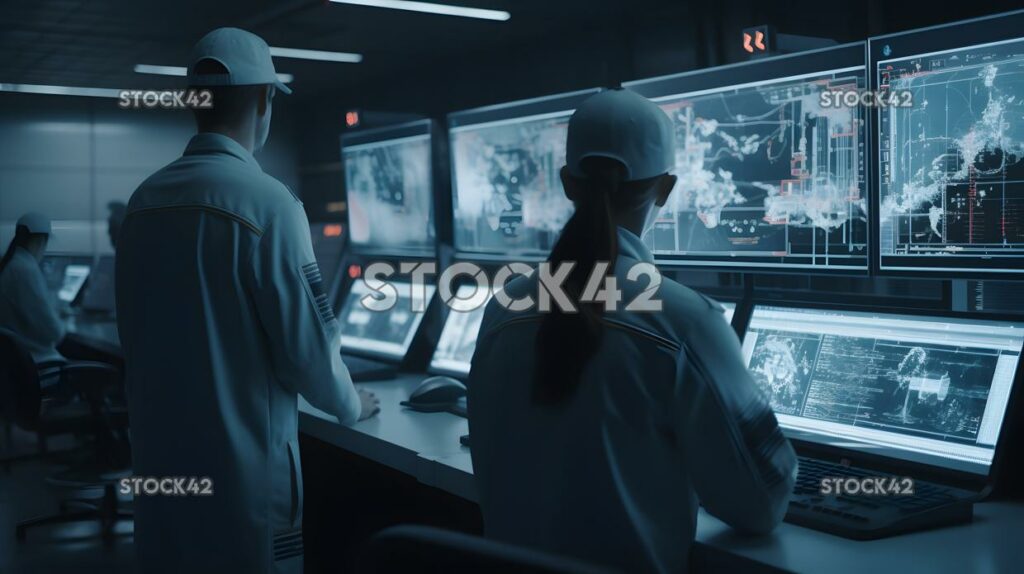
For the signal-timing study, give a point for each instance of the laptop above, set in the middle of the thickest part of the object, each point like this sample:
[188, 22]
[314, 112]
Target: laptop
[71, 285]
[897, 418]
[374, 343]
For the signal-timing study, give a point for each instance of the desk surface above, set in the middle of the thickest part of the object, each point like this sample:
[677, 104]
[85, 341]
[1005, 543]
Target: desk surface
[426, 446]
[397, 437]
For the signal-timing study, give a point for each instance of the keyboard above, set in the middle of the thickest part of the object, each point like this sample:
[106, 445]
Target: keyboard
[363, 370]
[871, 516]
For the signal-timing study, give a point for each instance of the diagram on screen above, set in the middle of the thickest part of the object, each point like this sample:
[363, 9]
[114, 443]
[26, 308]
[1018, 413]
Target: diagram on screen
[508, 194]
[767, 173]
[389, 183]
[952, 165]
[938, 391]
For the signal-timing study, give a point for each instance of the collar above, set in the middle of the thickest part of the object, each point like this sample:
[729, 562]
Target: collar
[213, 143]
[633, 247]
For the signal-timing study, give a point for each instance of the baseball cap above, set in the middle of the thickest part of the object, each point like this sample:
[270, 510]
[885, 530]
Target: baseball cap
[625, 126]
[35, 223]
[244, 54]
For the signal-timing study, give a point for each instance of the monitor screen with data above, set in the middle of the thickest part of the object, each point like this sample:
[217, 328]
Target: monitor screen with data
[951, 164]
[507, 193]
[389, 185]
[54, 266]
[458, 336]
[383, 333]
[74, 279]
[771, 172]
[932, 390]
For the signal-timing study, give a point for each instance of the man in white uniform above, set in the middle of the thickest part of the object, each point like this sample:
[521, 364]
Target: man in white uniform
[224, 321]
[664, 417]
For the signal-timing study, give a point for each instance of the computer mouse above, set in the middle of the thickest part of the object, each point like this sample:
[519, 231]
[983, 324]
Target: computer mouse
[436, 394]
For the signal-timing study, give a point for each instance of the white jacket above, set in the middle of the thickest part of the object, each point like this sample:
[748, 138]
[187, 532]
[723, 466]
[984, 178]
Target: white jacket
[224, 320]
[28, 310]
[666, 416]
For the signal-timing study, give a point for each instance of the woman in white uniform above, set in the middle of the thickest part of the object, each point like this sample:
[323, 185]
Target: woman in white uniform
[597, 433]
[27, 308]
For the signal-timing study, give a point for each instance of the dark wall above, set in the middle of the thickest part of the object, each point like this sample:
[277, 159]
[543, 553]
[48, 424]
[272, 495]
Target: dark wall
[68, 157]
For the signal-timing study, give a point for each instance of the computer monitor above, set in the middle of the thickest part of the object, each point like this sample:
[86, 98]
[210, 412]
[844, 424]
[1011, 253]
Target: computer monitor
[507, 197]
[389, 185]
[386, 334]
[951, 163]
[74, 279]
[99, 293]
[328, 246]
[927, 389]
[54, 267]
[458, 336]
[772, 174]
[730, 310]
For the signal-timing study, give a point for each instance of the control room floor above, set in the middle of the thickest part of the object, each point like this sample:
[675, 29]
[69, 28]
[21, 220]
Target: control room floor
[75, 547]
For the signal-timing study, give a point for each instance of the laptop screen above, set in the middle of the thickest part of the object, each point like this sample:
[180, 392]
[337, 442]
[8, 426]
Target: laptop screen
[932, 390]
[74, 279]
[458, 336]
[384, 333]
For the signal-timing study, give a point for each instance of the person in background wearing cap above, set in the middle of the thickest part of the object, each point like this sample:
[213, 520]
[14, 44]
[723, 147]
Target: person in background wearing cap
[596, 433]
[224, 321]
[27, 308]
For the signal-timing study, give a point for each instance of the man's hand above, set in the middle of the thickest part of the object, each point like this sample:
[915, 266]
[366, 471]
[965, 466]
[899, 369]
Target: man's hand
[370, 403]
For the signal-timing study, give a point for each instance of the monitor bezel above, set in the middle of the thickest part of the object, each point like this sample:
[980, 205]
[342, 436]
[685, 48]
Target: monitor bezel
[851, 56]
[564, 102]
[960, 35]
[962, 479]
[410, 338]
[415, 128]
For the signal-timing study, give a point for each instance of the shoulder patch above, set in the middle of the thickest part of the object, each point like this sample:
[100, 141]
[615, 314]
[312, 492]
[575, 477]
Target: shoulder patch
[314, 278]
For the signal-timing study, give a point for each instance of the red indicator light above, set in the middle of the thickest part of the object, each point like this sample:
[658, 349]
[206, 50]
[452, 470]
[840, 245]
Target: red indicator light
[354, 271]
[352, 119]
[746, 43]
[332, 230]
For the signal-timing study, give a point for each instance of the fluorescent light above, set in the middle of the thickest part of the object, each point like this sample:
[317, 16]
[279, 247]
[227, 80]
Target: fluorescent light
[161, 70]
[347, 57]
[60, 90]
[432, 8]
[182, 71]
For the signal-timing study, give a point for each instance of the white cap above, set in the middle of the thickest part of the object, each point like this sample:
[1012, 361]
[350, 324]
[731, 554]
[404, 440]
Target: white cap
[625, 126]
[35, 223]
[245, 55]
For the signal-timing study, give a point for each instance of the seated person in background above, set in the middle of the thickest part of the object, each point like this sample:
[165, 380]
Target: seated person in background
[27, 308]
[596, 433]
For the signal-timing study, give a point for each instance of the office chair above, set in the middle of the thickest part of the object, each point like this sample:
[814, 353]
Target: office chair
[62, 398]
[412, 548]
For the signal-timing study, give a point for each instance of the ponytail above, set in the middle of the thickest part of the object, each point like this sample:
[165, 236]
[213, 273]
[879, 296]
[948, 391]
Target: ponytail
[21, 237]
[567, 341]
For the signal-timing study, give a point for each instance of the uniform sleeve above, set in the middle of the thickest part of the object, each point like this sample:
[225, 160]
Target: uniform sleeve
[293, 307]
[743, 468]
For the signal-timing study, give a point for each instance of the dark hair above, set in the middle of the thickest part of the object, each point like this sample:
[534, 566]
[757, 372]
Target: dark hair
[21, 237]
[230, 103]
[567, 340]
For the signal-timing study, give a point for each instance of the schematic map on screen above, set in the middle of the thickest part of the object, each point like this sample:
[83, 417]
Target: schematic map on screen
[390, 199]
[767, 176]
[952, 165]
[507, 193]
[914, 383]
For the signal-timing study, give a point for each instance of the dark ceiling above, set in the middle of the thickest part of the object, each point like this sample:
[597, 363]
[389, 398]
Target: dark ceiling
[547, 45]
